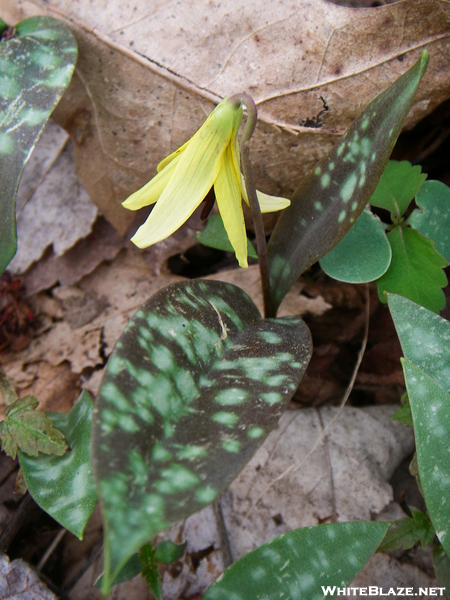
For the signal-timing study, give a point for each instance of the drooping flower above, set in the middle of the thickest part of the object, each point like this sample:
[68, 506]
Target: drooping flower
[210, 158]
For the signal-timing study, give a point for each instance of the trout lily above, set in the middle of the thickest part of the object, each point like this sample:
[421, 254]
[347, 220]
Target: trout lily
[210, 158]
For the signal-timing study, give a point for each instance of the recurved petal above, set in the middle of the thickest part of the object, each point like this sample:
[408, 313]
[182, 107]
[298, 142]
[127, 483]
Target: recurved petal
[152, 190]
[271, 203]
[227, 189]
[195, 172]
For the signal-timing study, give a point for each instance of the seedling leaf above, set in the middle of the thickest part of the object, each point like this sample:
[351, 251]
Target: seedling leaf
[398, 185]
[150, 570]
[63, 485]
[29, 430]
[415, 270]
[364, 254]
[36, 66]
[215, 236]
[300, 563]
[330, 199]
[403, 415]
[433, 220]
[408, 532]
[198, 379]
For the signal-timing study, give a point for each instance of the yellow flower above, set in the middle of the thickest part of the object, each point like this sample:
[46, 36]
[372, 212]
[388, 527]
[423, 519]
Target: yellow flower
[209, 158]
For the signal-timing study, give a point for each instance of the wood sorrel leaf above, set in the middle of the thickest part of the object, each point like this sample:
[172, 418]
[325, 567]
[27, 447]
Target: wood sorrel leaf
[333, 195]
[362, 255]
[398, 185]
[63, 485]
[415, 270]
[194, 385]
[433, 218]
[29, 430]
[301, 563]
[430, 406]
[36, 66]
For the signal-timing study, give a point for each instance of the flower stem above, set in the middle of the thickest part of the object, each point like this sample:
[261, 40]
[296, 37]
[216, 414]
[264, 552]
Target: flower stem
[247, 170]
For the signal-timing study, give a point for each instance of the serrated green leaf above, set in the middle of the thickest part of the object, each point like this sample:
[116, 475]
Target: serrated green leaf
[330, 199]
[403, 415]
[63, 486]
[362, 255]
[300, 563]
[408, 532]
[398, 185]
[424, 337]
[433, 220]
[167, 551]
[415, 271]
[150, 570]
[29, 430]
[215, 236]
[36, 67]
[430, 405]
[441, 562]
[197, 380]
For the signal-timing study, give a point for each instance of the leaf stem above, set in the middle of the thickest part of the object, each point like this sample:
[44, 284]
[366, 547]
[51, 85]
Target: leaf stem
[247, 170]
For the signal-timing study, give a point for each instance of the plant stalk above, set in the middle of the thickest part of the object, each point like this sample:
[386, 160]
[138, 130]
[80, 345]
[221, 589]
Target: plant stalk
[247, 170]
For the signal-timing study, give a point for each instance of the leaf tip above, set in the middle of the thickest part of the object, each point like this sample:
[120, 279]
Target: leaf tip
[424, 60]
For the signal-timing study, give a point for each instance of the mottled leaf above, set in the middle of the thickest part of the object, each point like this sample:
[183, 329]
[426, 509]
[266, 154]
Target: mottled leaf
[408, 532]
[424, 337]
[330, 199]
[430, 405]
[63, 485]
[415, 270]
[215, 236]
[299, 564]
[195, 384]
[441, 562]
[29, 430]
[433, 220]
[150, 570]
[398, 185]
[36, 66]
[362, 255]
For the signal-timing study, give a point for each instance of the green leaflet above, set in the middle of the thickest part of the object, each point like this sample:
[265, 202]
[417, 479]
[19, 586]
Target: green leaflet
[430, 406]
[398, 185]
[415, 270]
[408, 532]
[362, 255]
[150, 570]
[36, 67]
[215, 236]
[63, 486]
[330, 199]
[29, 430]
[300, 563]
[433, 218]
[197, 379]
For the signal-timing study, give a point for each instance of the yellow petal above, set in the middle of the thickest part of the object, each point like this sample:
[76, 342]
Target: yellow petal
[151, 191]
[227, 189]
[271, 203]
[170, 158]
[196, 170]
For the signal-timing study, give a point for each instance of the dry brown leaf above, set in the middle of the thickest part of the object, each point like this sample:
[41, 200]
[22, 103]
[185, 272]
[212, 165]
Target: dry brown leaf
[149, 73]
[19, 582]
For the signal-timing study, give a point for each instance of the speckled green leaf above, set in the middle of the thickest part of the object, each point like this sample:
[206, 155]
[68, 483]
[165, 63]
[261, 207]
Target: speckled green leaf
[415, 270]
[430, 406]
[433, 220]
[333, 195]
[299, 564]
[424, 337]
[398, 185]
[194, 385]
[63, 485]
[362, 255]
[36, 66]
